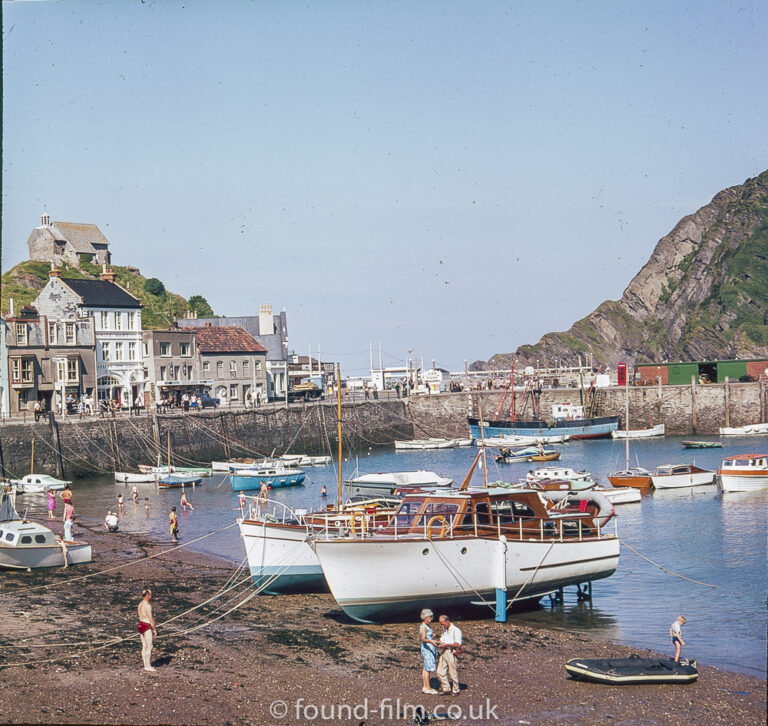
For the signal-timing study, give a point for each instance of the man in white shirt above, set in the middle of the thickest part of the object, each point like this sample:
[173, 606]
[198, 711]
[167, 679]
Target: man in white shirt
[450, 645]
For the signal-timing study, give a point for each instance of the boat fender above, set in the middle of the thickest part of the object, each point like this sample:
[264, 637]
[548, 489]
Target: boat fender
[443, 526]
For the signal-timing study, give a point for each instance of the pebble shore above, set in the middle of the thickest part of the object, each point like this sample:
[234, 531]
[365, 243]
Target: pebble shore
[294, 659]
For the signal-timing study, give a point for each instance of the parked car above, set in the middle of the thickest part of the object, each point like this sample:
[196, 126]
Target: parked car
[209, 401]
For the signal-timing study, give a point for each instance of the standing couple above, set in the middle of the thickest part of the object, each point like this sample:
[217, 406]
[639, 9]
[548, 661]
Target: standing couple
[449, 647]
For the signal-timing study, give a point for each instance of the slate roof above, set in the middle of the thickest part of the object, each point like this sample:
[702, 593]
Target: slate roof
[101, 294]
[82, 237]
[226, 340]
[272, 342]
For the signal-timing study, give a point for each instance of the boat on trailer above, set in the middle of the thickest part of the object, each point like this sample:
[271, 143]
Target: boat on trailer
[632, 671]
[455, 548]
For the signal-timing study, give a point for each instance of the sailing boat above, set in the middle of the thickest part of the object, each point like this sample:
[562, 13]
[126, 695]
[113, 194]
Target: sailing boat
[172, 481]
[629, 476]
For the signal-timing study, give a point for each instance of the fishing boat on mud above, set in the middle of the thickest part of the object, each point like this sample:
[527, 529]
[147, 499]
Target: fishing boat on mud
[455, 548]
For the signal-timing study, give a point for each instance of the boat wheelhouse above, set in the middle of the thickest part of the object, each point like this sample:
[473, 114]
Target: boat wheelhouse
[677, 476]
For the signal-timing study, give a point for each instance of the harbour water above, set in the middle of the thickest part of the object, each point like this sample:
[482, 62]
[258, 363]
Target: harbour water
[698, 533]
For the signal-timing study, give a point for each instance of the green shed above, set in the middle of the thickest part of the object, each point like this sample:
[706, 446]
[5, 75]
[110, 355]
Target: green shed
[680, 373]
[733, 369]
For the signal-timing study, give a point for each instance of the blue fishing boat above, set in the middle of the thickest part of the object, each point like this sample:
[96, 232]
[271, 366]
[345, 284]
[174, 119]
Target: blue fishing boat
[173, 481]
[274, 475]
[567, 420]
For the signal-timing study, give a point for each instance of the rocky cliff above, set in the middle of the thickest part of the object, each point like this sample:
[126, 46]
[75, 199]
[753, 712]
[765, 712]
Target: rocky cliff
[702, 295]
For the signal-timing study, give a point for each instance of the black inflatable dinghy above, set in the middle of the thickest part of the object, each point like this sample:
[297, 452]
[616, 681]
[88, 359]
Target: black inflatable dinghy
[632, 670]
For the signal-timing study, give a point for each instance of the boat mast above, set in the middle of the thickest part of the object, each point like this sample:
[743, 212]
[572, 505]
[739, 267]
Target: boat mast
[169, 451]
[626, 422]
[338, 423]
[32, 459]
[482, 447]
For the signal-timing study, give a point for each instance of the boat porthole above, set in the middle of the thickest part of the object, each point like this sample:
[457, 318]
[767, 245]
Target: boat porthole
[463, 550]
[425, 551]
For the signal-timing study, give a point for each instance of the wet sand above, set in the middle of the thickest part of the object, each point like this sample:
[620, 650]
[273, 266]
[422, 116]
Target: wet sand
[283, 649]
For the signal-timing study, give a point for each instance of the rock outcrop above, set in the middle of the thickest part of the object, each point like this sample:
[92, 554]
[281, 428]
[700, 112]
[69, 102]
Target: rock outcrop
[702, 295]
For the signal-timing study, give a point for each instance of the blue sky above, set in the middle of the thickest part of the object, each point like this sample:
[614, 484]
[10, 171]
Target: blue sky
[456, 178]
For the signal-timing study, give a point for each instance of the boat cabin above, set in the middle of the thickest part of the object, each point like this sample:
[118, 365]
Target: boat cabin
[746, 461]
[26, 534]
[518, 514]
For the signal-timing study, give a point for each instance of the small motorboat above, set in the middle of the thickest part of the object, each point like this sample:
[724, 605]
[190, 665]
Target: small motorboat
[657, 430]
[546, 456]
[675, 476]
[744, 473]
[563, 472]
[38, 483]
[386, 483]
[635, 477]
[702, 444]
[633, 670]
[130, 477]
[25, 545]
[173, 481]
[273, 475]
[507, 456]
[749, 430]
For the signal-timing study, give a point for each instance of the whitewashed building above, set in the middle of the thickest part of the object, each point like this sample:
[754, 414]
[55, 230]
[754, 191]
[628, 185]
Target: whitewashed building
[116, 318]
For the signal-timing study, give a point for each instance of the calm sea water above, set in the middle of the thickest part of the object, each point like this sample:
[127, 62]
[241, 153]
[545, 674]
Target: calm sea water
[699, 533]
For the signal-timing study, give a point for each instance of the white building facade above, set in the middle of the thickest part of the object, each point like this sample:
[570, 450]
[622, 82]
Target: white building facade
[116, 318]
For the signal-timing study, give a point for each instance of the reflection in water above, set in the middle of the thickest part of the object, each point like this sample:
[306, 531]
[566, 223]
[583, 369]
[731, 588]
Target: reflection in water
[698, 533]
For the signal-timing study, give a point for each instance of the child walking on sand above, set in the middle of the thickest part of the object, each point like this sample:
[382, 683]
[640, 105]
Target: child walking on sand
[676, 634]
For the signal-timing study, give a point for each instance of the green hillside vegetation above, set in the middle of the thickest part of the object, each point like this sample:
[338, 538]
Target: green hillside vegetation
[24, 282]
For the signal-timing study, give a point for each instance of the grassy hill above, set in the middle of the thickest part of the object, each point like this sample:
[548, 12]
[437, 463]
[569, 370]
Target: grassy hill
[24, 282]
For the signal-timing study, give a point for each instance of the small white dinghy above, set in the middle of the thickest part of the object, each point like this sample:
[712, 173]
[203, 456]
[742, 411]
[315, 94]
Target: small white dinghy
[130, 477]
[657, 430]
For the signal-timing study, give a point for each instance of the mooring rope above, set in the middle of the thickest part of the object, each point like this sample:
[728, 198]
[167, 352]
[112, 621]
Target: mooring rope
[666, 569]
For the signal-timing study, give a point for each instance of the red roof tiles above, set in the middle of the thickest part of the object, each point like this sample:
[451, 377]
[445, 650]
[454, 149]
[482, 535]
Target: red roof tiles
[226, 340]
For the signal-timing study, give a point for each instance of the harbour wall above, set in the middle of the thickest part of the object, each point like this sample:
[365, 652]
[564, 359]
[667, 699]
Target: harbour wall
[684, 410]
[92, 446]
[81, 447]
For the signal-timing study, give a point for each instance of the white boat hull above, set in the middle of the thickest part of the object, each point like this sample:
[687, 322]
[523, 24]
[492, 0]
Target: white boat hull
[678, 481]
[379, 580]
[281, 559]
[657, 430]
[751, 430]
[424, 444]
[733, 482]
[129, 477]
[624, 495]
[24, 558]
[518, 440]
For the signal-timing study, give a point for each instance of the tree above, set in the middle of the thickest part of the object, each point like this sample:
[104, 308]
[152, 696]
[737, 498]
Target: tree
[154, 287]
[200, 305]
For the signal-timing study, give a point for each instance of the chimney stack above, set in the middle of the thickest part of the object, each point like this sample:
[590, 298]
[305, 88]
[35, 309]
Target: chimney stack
[107, 275]
[54, 271]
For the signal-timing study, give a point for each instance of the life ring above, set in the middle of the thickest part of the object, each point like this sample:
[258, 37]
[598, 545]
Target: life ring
[353, 520]
[443, 528]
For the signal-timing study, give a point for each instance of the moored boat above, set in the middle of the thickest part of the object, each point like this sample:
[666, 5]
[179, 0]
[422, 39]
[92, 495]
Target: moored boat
[632, 671]
[38, 483]
[130, 477]
[568, 420]
[562, 472]
[521, 440]
[546, 456]
[744, 473]
[275, 475]
[657, 430]
[173, 481]
[635, 477]
[506, 456]
[677, 476]
[164, 470]
[387, 482]
[702, 444]
[453, 549]
[748, 430]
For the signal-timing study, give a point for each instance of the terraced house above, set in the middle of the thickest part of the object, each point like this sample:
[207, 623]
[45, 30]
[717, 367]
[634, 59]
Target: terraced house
[116, 320]
[233, 363]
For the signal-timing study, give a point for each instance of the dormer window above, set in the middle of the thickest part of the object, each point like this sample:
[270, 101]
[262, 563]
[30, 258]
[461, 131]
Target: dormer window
[21, 333]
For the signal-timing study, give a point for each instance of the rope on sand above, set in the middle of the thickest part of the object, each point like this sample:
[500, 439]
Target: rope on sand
[661, 567]
[129, 564]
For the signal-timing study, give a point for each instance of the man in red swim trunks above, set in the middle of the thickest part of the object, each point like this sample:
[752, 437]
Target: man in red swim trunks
[146, 628]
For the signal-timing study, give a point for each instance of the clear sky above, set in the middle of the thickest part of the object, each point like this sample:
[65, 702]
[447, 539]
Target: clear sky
[456, 178]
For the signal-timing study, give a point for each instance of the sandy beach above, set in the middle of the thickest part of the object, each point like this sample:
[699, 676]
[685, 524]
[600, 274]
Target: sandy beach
[294, 659]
